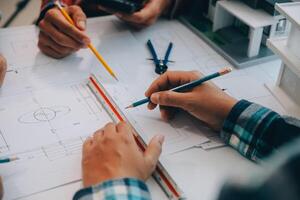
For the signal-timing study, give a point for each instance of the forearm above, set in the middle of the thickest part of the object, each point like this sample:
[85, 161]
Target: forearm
[256, 131]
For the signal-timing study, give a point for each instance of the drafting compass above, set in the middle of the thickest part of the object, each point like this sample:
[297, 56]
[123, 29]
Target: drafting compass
[160, 65]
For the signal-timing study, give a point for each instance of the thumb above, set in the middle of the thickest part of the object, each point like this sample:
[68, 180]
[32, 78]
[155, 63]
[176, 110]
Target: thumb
[78, 17]
[153, 151]
[169, 98]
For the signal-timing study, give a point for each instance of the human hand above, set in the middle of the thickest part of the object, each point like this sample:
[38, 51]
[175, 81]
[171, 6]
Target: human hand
[206, 102]
[112, 153]
[147, 15]
[57, 37]
[3, 68]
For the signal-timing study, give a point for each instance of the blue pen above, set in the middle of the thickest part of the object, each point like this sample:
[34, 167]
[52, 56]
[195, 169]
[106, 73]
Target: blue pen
[187, 86]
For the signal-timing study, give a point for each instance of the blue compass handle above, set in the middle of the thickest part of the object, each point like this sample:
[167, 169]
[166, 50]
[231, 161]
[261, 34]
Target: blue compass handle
[166, 60]
[152, 51]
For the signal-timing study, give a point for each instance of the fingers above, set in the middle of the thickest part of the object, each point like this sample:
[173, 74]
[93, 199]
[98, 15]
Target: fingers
[78, 17]
[110, 129]
[55, 17]
[170, 98]
[167, 113]
[125, 131]
[144, 17]
[153, 151]
[61, 50]
[3, 68]
[58, 38]
[98, 135]
[50, 51]
[171, 79]
[123, 127]
[87, 145]
[151, 106]
[147, 15]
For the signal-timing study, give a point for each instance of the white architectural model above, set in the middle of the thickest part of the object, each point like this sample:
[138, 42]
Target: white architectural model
[260, 23]
[287, 89]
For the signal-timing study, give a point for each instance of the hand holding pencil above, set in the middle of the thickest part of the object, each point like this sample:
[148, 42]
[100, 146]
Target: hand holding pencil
[58, 38]
[71, 38]
[90, 45]
[206, 102]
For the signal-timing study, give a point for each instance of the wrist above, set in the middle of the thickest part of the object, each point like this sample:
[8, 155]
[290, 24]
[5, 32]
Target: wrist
[222, 111]
[119, 188]
[98, 180]
[92, 177]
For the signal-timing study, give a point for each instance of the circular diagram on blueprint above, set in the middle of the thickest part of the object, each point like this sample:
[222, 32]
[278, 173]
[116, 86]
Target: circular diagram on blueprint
[44, 114]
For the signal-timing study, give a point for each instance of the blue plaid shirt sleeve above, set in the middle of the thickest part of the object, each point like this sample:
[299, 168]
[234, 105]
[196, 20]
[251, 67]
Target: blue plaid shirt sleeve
[118, 189]
[257, 132]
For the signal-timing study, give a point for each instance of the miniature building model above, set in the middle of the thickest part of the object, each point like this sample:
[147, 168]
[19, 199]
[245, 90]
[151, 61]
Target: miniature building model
[227, 13]
[287, 89]
[239, 29]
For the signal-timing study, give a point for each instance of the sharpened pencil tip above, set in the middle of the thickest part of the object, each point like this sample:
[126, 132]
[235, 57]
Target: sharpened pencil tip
[14, 158]
[129, 107]
[116, 78]
[225, 70]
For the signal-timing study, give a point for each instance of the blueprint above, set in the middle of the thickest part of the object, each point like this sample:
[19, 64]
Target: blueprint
[47, 110]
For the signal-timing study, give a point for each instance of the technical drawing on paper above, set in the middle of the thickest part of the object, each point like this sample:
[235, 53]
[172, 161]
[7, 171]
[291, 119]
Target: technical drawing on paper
[3, 144]
[52, 152]
[49, 116]
[45, 128]
[44, 114]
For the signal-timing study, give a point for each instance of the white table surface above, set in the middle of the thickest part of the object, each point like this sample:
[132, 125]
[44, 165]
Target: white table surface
[198, 172]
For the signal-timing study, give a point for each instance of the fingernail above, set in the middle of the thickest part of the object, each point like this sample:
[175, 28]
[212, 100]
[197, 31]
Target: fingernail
[160, 139]
[154, 98]
[81, 24]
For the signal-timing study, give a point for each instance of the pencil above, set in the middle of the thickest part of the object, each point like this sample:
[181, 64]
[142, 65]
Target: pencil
[187, 86]
[90, 46]
[6, 160]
